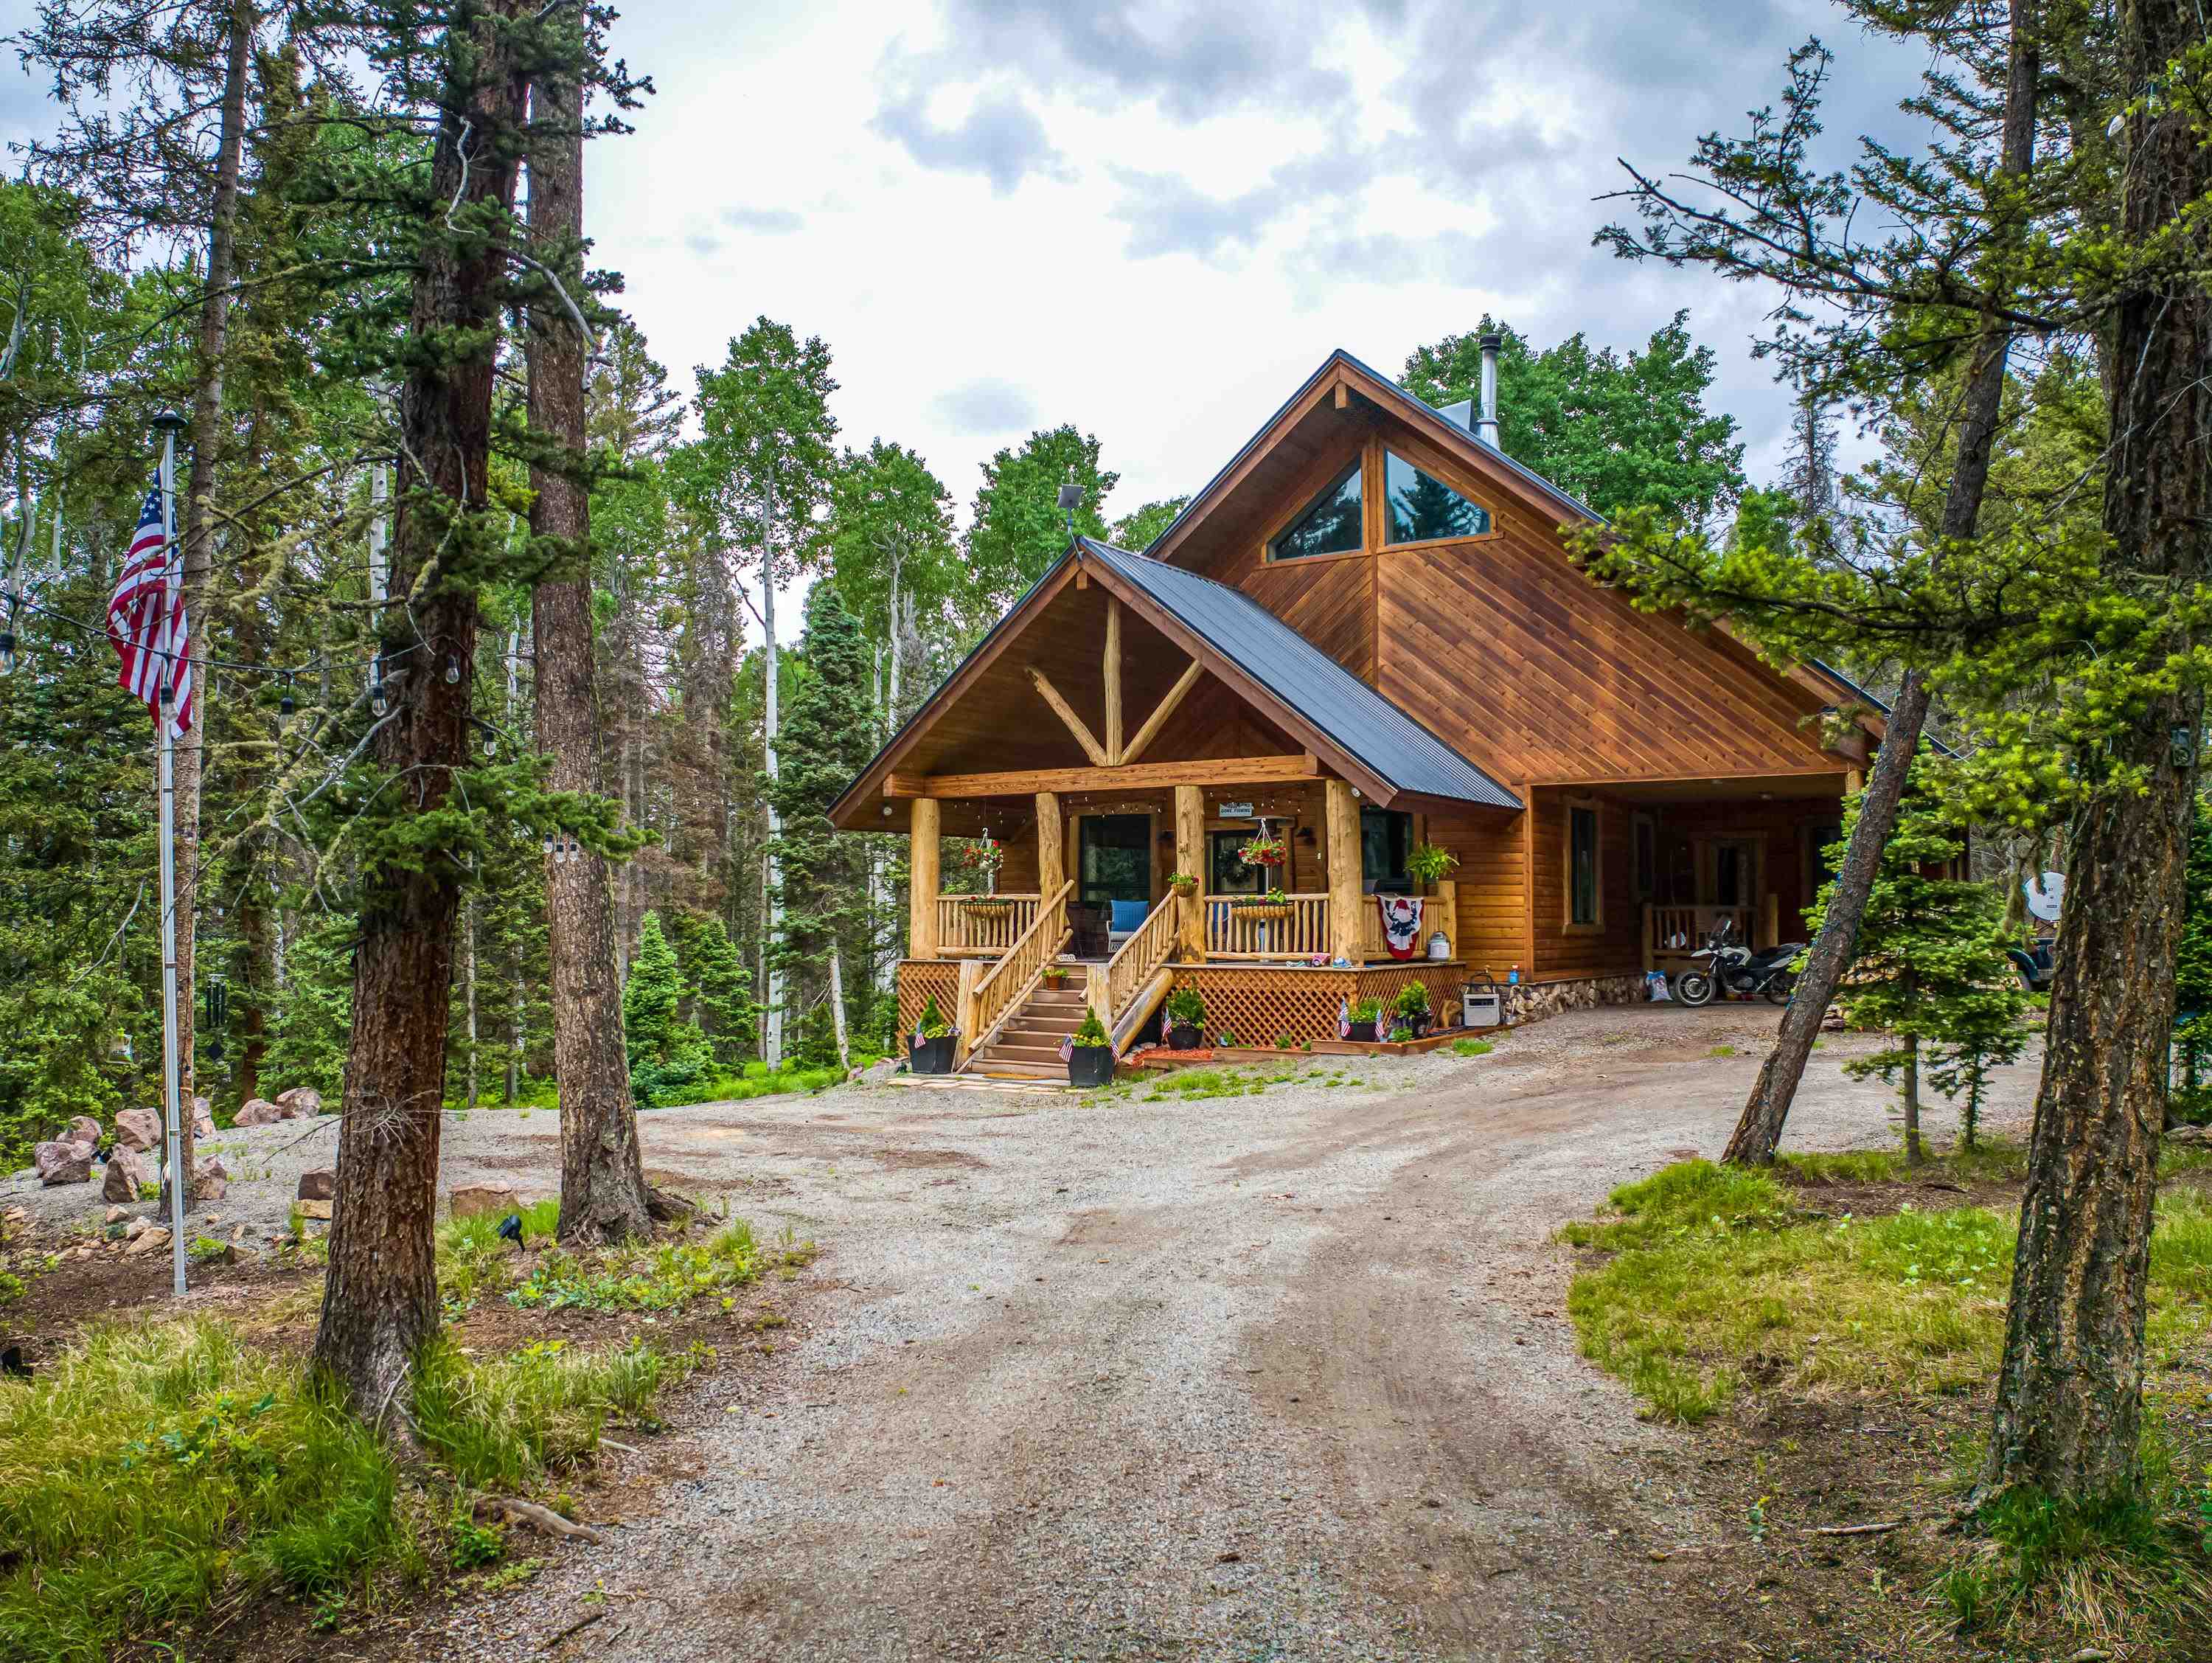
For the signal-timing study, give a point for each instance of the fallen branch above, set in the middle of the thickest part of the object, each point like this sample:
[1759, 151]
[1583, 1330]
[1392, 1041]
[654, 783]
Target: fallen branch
[511, 1509]
[1857, 1530]
[580, 1624]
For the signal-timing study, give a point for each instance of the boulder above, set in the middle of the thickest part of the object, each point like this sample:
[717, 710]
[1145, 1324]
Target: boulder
[470, 1199]
[147, 1241]
[125, 1172]
[320, 1210]
[83, 1130]
[320, 1184]
[136, 1228]
[258, 1111]
[203, 1119]
[137, 1128]
[63, 1163]
[115, 1215]
[300, 1102]
[211, 1179]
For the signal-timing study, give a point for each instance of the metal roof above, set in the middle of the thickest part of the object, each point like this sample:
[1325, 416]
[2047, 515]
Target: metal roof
[1308, 680]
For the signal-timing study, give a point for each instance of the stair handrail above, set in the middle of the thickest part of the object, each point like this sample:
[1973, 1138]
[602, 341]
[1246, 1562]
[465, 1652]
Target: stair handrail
[1144, 952]
[1002, 990]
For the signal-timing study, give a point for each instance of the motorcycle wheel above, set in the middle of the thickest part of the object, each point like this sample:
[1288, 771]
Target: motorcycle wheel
[1694, 987]
[1779, 989]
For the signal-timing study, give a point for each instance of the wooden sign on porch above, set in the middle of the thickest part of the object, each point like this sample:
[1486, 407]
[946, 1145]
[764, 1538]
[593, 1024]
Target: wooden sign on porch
[1232, 811]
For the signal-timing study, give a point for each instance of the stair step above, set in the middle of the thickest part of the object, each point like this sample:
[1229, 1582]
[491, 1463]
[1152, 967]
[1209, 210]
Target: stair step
[1016, 1051]
[990, 1069]
[1045, 995]
[1047, 1021]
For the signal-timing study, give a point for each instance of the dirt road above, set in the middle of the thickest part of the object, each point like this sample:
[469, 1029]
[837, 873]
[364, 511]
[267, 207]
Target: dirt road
[1275, 1376]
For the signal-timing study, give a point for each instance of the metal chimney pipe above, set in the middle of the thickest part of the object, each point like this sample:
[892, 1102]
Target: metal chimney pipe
[1486, 423]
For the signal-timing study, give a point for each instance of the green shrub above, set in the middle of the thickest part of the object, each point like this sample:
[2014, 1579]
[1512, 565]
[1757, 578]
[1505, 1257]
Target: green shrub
[1091, 1031]
[1185, 1007]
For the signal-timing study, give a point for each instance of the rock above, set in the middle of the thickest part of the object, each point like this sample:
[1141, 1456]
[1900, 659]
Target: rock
[83, 1130]
[2189, 1134]
[320, 1184]
[151, 1240]
[14, 1215]
[136, 1228]
[125, 1172]
[882, 1069]
[315, 1209]
[63, 1163]
[203, 1119]
[300, 1101]
[137, 1128]
[470, 1199]
[115, 1215]
[258, 1111]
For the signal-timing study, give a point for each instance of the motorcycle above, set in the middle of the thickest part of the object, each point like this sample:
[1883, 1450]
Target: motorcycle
[1732, 968]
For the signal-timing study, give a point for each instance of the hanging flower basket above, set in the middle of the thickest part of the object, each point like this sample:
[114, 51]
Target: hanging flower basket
[1268, 852]
[1272, 904]
[986, 906]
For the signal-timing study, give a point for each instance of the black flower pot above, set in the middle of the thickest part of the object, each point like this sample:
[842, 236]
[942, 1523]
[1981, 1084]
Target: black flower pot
[1364, 1031]
[1184, 1036]
[1089, 1065]
[931, 1056]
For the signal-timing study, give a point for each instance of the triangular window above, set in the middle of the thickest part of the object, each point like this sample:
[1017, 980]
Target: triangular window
[1329, 526]
[1423, 508]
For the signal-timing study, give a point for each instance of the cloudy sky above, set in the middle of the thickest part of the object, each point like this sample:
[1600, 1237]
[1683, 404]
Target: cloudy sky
[1155, 220]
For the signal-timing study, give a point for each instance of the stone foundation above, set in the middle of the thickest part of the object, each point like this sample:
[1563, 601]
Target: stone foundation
[1532, 1001]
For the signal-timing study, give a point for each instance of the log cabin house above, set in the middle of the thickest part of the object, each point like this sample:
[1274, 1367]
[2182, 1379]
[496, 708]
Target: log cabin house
[1365, 634]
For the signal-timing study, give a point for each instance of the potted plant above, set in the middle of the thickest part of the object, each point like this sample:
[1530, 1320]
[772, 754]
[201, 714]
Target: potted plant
[1364, 1015]
[1272, 904]
[986, 906]
[1183, 883]
[929, 1050]
[1427, 863]
[1401, 1034]
[1411, 1008]
[1186, 1018]
[1055, 977]
[1090, 1057]
[1264, 851]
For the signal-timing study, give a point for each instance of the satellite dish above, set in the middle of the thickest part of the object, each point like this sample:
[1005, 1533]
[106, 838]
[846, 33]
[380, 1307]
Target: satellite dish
[2045, 895]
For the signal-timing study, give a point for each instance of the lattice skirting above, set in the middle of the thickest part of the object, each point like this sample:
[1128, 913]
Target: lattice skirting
[918, 978]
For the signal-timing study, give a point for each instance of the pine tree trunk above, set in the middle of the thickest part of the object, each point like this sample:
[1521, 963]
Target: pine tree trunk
[2068, 1408]
[771, 907]
[207, 434]
[1757, 1133]
[1915, 1154]
[603, 1192]
[381, 1302]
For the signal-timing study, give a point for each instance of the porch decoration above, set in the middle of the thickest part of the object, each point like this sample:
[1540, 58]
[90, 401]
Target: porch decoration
[1264, 851]
[1272, 904]
[990, 856]
[1401, 923]
[1427, 864]
[1091, 1054]
[929, 1050]
[986, 906]
[1186, 1018]
[1359, 1021]
[1183, 883]
[1412, 1007]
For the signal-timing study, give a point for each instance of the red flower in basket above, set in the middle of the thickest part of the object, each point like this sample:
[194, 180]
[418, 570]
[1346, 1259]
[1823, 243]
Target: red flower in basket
[1263, 851]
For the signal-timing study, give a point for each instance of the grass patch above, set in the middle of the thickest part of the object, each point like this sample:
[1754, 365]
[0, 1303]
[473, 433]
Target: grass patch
[658, 1276]
[1991, 1160]
[1191, 1085]
[157, 1471]
[1722, 1050]
[1718, 1279]
[1471, 1048]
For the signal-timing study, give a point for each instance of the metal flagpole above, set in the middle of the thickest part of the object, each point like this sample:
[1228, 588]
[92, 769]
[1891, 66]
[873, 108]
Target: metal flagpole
[164, 723]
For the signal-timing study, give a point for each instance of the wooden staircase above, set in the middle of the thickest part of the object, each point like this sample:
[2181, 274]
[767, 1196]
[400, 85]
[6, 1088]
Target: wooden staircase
[1028, 1046]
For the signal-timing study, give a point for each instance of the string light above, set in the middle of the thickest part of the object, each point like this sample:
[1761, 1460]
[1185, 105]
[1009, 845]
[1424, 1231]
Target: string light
[377, 704]
[8, 636]
[286, 705]
[452, 669]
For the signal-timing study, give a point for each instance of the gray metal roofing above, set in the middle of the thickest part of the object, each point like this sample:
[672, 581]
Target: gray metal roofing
[1309, 680]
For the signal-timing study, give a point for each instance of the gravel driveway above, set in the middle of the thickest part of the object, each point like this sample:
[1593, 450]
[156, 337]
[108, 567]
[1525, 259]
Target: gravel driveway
[1275, 1376]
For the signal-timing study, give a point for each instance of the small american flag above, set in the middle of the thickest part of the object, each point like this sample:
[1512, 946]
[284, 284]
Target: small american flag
[146, 620]
[1344, 1019]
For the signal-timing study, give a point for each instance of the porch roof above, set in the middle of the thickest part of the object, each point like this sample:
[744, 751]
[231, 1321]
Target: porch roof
[1306, 680]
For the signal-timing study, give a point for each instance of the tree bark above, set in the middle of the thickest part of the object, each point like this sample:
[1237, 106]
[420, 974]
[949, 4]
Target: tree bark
[1914, 1152]
[1757, 1133]
[2068, 1413]
[771, 901]
[380, 1303]
[207, 434]
[603, 1190]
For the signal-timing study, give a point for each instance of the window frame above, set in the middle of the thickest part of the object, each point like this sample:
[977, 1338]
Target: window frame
[1644, 855]
[1312, 501]
[1595, 924]
[1384, 451]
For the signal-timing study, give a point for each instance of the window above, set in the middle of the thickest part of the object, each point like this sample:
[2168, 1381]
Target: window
[1583, 895]
[1330, 526]
[1822, 856]
[1385, 837]
[1423, 506]
[1115, 853]
[1647, 857]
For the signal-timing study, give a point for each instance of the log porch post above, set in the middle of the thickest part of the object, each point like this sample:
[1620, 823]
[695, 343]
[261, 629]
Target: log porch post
[1052, 845]
[1190, 857]
[1344, 898]
[923, 878]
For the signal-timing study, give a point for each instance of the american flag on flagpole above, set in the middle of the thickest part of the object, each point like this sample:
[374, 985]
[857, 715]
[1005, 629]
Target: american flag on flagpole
[145, 619]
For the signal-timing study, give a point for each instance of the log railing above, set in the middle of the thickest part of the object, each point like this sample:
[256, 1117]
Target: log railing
[1438, 911]
[1142, 954]
[999, 992]
[1300, 931]
[1675, 932]
[983, 926]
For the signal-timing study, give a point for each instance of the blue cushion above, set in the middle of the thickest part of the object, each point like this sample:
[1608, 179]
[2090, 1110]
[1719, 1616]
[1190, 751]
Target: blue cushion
[1129, 916]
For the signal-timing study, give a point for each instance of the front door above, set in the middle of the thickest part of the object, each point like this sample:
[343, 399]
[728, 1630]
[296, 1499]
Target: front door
[1735, 872]
[1114, 859]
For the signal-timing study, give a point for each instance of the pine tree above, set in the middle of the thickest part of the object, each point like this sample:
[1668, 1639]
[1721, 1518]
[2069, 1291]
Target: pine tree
[1930, 970]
